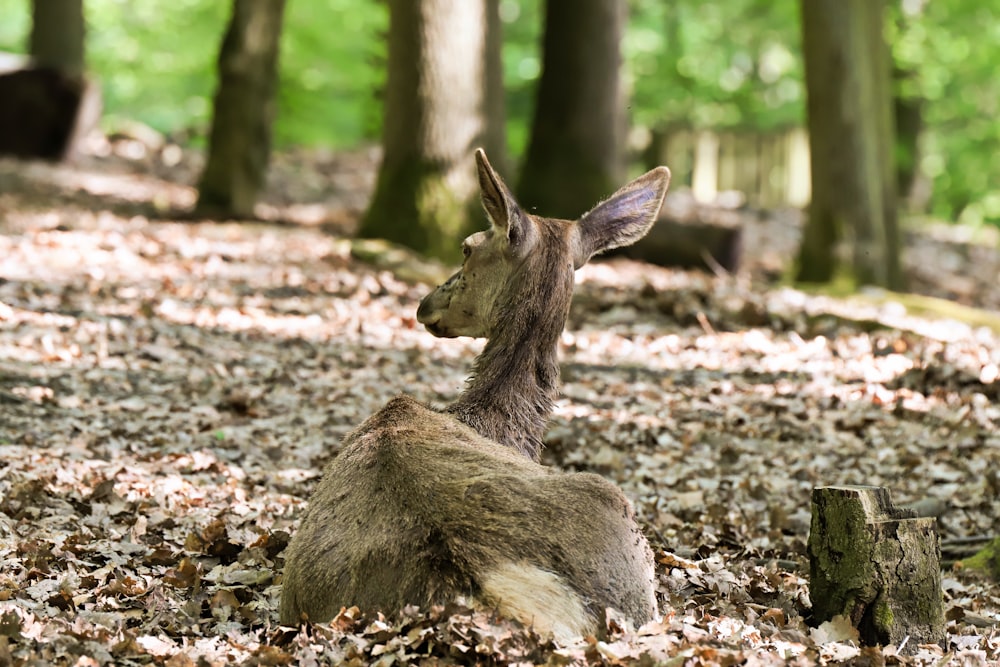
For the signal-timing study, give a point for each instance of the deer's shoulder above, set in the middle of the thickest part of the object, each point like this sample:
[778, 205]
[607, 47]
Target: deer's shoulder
[405, 427]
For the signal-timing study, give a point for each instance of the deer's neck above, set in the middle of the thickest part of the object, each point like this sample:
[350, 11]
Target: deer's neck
[515, 380]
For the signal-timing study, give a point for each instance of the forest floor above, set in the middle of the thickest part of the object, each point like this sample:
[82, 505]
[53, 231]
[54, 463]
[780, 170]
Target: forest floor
[170, 391]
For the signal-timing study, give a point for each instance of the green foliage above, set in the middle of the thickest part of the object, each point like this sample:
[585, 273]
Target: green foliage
[156, 61]
[332, 69]
[15, 23]
[688, 62]
[952, 47]
[737, 64]
[522, 65]
[704, 64]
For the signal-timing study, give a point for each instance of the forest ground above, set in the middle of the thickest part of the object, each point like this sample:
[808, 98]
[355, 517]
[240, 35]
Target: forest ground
[170, 391]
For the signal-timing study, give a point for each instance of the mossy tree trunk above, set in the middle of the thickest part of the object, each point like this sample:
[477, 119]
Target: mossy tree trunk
[576, 150]
[876, 565]
[239, 144]
[851, 140]
[986, 560]
[57, 35]
[443, 99]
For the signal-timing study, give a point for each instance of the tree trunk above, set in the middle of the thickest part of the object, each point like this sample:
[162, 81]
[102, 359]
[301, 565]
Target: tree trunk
[240, 139]
[986, 560]
[575, 154]
[495, 102]
[46, 113]
[57, 35]
[439, 106]
[908, 113]
[51, 105]
[851, 139]
[876, 565]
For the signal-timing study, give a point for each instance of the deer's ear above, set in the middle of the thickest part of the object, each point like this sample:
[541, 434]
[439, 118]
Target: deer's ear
[503, 211]
[623, 218]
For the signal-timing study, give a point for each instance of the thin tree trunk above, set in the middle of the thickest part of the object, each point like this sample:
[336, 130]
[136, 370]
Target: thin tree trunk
[575, 154]
[495, 100]
[240, 139]
[908, 109]
[851, 139]
[909, 116]
[57, 35]
[886, 269]
[439, 107]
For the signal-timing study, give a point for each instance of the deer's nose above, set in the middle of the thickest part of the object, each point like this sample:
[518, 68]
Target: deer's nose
[426, 313]
[433, 306]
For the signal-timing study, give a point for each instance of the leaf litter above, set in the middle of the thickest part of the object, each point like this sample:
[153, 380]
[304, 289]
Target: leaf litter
[170, 392]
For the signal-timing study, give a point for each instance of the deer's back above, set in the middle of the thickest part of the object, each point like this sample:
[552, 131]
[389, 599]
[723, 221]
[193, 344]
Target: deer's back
[419, 509]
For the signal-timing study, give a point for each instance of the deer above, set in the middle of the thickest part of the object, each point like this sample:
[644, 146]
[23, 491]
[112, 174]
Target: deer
[424, 506]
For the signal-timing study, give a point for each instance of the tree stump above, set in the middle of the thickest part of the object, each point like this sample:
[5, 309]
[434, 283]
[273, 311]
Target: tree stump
[875, 564]
[45, 113]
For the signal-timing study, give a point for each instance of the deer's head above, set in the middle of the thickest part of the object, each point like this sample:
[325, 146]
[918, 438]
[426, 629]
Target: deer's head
[513, 261]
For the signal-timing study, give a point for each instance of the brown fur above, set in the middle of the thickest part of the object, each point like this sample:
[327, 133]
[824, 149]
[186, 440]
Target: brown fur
[422, 507]
[418, 508]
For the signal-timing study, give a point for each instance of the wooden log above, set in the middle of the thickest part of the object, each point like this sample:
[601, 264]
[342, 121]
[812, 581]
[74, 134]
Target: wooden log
[877, 565]
[696, 244]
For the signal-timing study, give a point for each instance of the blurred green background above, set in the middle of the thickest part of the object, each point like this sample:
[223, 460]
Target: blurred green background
[720, 65]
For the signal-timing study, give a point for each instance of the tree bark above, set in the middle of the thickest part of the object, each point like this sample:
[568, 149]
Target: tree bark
[51, 105]
[908, 113]
[443, 98]
[876, 565]
[57, 35]
[851, 140]
[495, 103]
[575, 153]
[46, 113]
[240, 138]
